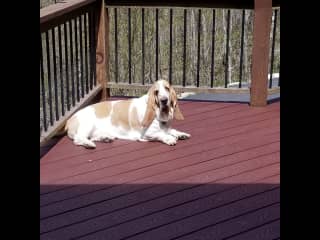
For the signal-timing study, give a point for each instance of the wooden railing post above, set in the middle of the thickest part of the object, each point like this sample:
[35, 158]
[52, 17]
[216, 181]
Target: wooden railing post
[102, 47]
[260, 52]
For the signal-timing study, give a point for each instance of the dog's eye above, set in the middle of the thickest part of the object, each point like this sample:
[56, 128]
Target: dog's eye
[167, 88]
[156, 92]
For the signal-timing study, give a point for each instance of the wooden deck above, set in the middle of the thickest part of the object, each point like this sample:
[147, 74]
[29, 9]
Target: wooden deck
[223, 183]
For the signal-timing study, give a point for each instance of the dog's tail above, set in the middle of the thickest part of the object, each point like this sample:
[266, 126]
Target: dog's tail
[62, 131]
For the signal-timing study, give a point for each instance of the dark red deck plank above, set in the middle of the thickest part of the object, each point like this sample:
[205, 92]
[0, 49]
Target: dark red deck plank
[150, 190]
[180, 176]
[49, 158]
[225, 114]
[64, 151]
[185, 218]
[265, 232]
[194, 140]
[63, 173]
[119, 217]
[170, 170]
[53, 158]
[234, 226]
[47, 171]
[184, 191]
[85, 159]
[165, 189]
[167, 161]
[198, 108]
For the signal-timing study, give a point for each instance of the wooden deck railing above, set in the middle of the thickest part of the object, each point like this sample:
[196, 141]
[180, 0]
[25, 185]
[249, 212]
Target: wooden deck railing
[74, 51]
[73, 60]
[197, 50]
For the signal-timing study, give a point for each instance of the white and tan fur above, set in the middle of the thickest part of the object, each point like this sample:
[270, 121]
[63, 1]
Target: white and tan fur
[147, 118]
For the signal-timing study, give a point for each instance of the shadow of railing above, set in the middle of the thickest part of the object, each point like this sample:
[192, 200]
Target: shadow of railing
[216, 210]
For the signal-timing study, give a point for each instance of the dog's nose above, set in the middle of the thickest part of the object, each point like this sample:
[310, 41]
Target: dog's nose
[164, 100]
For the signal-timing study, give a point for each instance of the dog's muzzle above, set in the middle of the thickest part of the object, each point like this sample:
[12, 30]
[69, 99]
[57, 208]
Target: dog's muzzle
[164, 101]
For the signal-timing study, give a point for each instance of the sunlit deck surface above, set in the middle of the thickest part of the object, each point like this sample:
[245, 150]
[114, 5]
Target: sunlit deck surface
[223, 183]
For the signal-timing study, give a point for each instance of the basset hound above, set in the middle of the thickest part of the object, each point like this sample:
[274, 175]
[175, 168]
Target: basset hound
[147, 118]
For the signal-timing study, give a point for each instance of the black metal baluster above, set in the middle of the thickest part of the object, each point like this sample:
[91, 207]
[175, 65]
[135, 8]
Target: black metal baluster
[49, 78]
[227, 50]
[116, 44]
[198, 60]
[157, 43]
[55, 72]
[142, 46]
[71, 64]
[129, 42]
[91, 47]
[67, 64]
[86, 51]
[43, 93]
[94, 44]
[241, 47]
[77, 58]
[61, 71]
[184, 46]
[170, 50]
[81, 56]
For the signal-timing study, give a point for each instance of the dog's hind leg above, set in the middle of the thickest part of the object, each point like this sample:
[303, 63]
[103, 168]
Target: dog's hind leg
[102, 139]
[102, 136]
[82, 135]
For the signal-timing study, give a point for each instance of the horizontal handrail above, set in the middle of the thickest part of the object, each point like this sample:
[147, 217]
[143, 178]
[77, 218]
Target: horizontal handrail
[235, 4]
[61, 12]
[194, 89]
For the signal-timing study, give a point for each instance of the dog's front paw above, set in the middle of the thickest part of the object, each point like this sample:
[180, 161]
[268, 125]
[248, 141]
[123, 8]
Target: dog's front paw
[170, 140]
[107, 140]
[184, 136]
[89, 145]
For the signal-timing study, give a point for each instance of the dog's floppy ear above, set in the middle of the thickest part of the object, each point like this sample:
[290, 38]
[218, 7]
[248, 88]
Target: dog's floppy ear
[177, 113]
[176, 110]
[151, 108]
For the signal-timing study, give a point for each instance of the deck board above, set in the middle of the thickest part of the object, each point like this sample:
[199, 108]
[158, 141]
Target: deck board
[223, 183]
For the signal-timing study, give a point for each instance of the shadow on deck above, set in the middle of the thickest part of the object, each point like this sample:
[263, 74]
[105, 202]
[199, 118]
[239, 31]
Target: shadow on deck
[223, 183]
